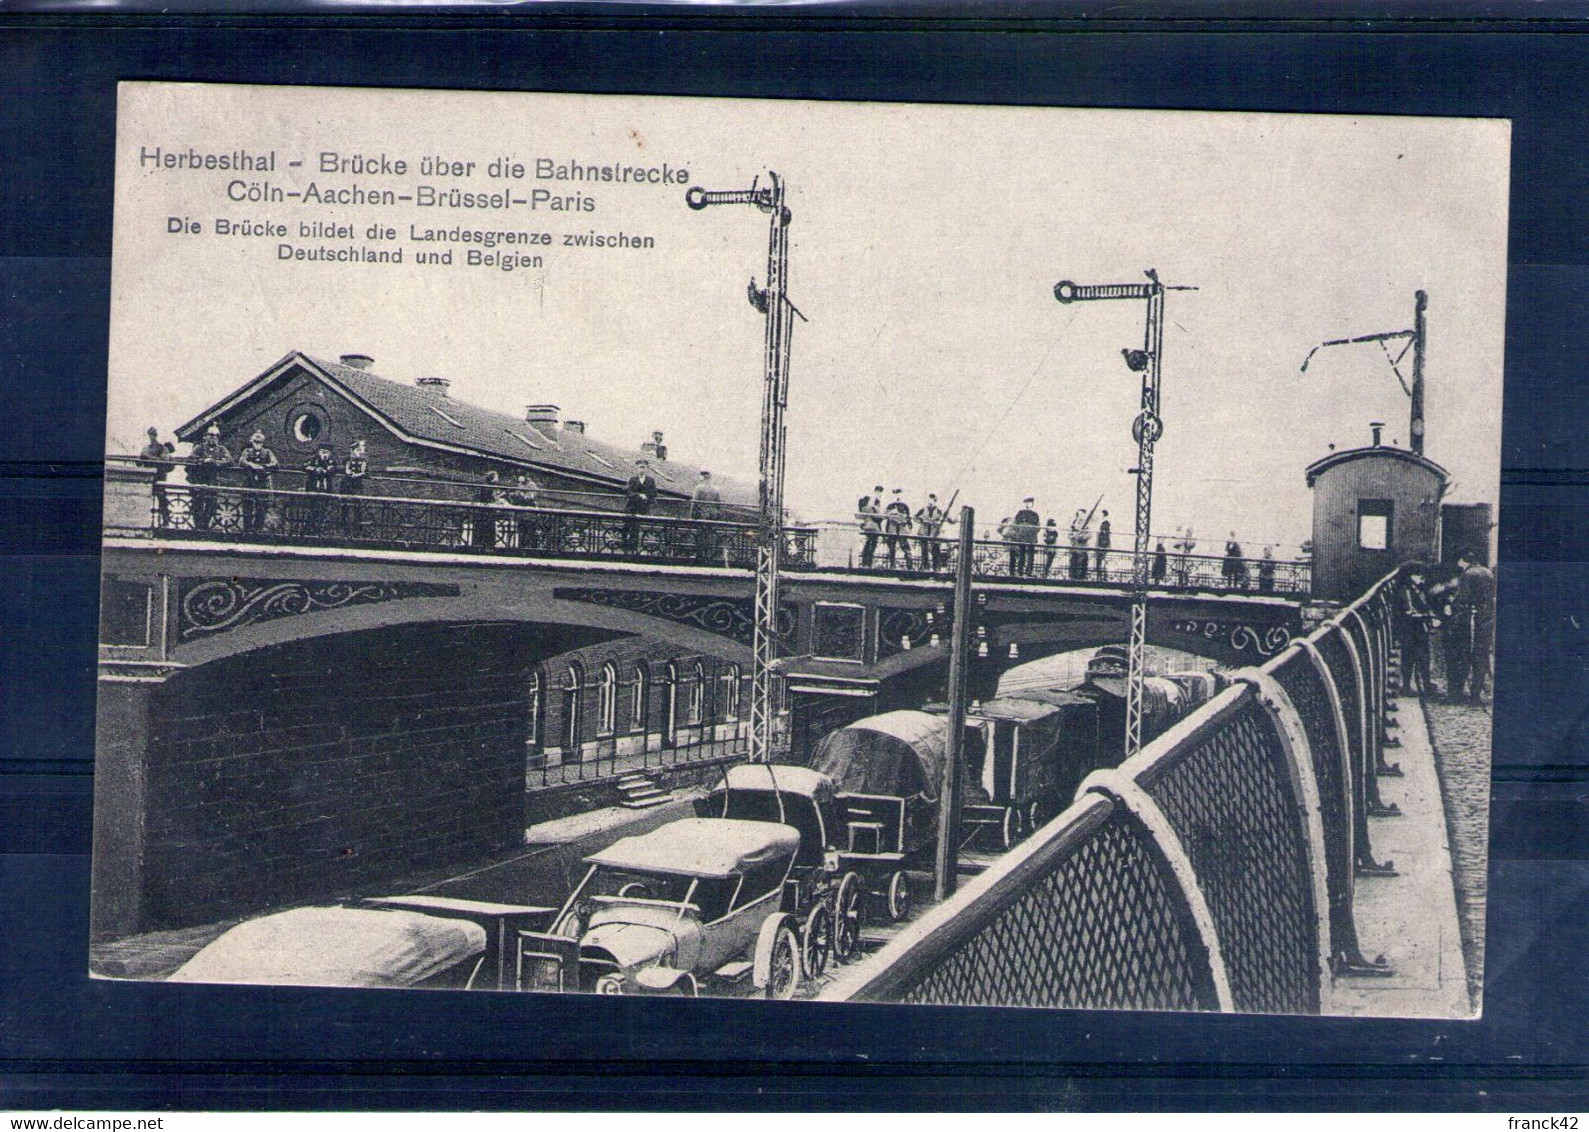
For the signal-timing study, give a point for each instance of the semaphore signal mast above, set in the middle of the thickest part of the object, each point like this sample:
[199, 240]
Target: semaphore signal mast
[1146, 430]
[773, 302]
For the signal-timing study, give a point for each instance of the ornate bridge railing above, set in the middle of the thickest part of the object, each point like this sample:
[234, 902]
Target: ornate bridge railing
[1214, 871]
[397, 523]
[1002, 560]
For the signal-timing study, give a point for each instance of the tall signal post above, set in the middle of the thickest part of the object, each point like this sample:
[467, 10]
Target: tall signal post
[773, 302]
[1146, 429]
[1415, 343]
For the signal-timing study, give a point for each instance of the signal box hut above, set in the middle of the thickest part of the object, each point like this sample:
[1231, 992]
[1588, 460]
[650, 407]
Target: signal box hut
[1374, 508]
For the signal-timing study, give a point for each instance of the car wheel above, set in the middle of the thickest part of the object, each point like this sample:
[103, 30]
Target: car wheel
[610, 984]
[847, 918]
[783, 968]
[898, 897]
[816, 941]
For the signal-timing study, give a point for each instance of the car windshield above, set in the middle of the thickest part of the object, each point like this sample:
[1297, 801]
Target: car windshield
[630, 884]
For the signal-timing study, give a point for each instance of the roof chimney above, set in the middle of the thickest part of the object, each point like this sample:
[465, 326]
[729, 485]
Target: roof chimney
[1377, 427]
[543, 417]
[574, 426]
[357, 361]
[434, 384]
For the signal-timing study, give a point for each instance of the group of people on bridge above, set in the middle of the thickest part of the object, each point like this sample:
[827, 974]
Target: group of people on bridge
[324, 475]
[895, 536]
[1457, 607]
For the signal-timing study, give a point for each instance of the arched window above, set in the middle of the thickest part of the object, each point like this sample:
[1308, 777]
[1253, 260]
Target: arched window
[536, 696]
[607, 717]
[670, 707]
[573, 682]
[728, 693]
[698, 693]
[639, 700]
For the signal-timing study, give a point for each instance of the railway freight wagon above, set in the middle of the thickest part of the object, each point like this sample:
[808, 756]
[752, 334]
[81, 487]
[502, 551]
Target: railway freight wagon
[1040, 744]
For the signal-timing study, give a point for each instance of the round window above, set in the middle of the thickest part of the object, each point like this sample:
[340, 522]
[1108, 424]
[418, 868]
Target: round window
[306, 426]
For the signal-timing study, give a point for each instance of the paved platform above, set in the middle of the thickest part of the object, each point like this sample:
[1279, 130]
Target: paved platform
[1410, 918]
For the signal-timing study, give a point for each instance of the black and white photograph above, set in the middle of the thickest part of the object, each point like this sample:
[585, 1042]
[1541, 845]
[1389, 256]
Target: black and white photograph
[857, 552]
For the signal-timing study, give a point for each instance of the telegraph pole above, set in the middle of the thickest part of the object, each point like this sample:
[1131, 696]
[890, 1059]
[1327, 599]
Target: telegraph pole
[1414, 337]
[774, 303]
[946, 861]
[1146, 430]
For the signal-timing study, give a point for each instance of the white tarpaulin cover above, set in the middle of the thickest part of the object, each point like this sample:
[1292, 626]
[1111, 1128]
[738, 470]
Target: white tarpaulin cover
[336, 947]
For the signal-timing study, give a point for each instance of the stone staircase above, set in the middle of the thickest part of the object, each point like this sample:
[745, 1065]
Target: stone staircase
[638, 791]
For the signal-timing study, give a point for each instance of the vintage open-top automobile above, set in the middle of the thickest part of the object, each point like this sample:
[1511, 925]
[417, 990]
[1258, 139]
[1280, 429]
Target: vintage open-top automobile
[385, 941]
[697, 901]
[821, 891]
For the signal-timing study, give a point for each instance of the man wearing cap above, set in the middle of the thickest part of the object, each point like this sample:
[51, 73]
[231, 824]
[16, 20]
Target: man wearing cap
[258, 462]
[204, 468]
[638, 495]
[929, 526]
[1105, 539]
[354, 469]
[896, 526]
[704, 502]
[157, 455]
[1024, 528]
[317, 473]
[869, 514]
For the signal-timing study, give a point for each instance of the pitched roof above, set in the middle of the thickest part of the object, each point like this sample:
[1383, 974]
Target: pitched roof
[428, 415]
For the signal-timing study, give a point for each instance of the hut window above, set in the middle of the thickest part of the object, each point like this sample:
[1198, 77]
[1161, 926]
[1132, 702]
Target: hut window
[1373, 524]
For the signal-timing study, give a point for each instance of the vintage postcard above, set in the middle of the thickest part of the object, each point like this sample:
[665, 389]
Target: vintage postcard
[866, 552]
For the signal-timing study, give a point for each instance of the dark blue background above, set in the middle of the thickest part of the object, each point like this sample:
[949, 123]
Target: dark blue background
[68, 1042]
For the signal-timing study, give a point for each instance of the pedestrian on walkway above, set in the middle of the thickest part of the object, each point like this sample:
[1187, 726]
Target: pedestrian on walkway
[526, 494]
[929, 531]
[1006, 531]
[638, 495]
[869, 516]
[157, 455]
[1027, 524]
[1161, 563]
[259, 465]
[1105, 537]
[1080, 536]
[1266, 571]
[1183, 556]
[1235, 566]
[354, 470]
[896, 528]
[1050, 544]
[704, 508]
[1412, 617]
[1475, 600]
[317, 473]
[204, 475]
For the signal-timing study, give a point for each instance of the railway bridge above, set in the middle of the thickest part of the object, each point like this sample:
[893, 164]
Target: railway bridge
[302, 708]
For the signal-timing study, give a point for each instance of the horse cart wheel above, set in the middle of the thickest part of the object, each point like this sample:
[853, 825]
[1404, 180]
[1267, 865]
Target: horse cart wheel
[1010, 828]
[898, 896]
[847, 918]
